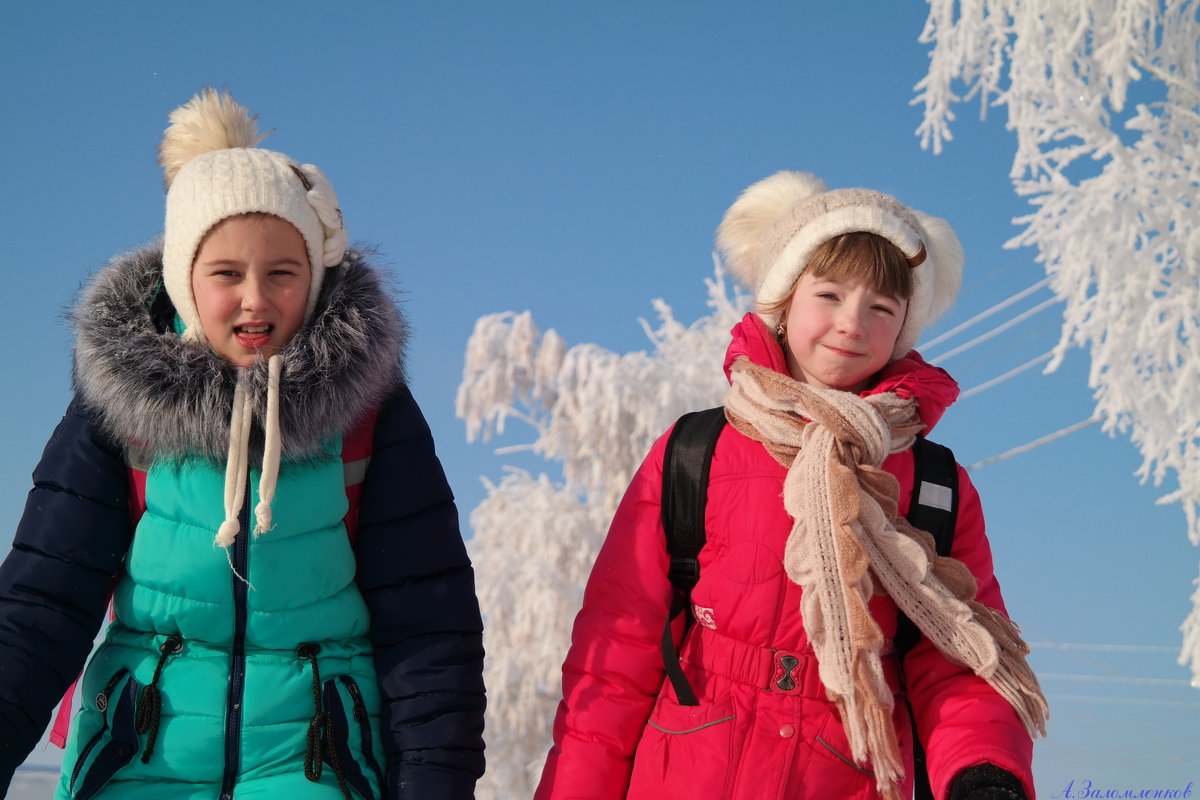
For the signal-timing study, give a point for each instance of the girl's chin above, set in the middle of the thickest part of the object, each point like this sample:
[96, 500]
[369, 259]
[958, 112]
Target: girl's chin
[246, 357]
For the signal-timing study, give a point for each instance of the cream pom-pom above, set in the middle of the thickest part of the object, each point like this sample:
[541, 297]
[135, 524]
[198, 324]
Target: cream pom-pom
[743, 231]
[209, 121]
[947, 254]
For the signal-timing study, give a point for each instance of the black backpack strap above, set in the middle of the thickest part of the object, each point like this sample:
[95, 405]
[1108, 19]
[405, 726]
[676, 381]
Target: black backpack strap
[933, 508]
[684, 499]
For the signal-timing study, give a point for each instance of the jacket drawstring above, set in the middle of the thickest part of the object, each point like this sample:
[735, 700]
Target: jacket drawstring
[237, 464]
[149, 707]
[321, 746]
[271, 448]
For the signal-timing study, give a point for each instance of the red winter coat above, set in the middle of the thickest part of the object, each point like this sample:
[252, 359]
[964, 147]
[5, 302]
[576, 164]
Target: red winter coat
[620, 733]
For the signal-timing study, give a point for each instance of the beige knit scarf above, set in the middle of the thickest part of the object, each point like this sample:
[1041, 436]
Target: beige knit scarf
[847, 535]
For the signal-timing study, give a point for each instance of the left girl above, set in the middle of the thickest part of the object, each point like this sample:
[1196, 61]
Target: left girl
[244, 470]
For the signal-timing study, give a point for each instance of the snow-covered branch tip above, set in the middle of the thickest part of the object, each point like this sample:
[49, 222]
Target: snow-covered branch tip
[510, 370]
[595, 413]
[1112, 195]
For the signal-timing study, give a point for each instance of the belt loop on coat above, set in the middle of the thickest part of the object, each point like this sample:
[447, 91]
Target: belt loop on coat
[763, 667]
[788, 677]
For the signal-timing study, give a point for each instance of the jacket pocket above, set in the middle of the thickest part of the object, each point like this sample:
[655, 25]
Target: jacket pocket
[685, 751]
[351, 729]
[115, 744]
[833, 769]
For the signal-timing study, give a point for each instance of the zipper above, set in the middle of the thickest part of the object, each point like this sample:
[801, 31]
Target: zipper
[102, 699]
[364, 727]
[237, 661]
[360, 708]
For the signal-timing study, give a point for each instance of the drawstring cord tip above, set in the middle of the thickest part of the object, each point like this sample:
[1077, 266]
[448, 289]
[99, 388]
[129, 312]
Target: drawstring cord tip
[263, 518]
[227, 533]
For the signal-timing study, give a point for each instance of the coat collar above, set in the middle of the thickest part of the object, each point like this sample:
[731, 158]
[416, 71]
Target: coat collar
[147, 386]
[909, 376]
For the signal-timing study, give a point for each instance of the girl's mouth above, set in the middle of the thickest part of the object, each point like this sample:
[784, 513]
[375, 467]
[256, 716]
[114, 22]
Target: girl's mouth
[843, 353]
[253, 337]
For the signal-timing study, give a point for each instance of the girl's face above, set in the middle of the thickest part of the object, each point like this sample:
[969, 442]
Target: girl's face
[250, 280]
[840, 332]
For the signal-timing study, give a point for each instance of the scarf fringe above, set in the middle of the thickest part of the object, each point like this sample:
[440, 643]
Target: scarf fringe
[873, 742]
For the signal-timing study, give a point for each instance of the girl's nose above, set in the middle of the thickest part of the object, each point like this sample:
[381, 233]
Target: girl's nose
[849, 320]
[254, 295]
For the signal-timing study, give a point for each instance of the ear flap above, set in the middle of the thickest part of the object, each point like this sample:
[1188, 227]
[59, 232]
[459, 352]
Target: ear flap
[742, 232]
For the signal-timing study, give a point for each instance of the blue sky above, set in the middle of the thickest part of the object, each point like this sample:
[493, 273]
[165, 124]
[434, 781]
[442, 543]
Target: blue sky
[574, 159]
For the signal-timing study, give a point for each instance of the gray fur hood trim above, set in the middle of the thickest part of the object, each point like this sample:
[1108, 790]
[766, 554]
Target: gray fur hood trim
[149, 387]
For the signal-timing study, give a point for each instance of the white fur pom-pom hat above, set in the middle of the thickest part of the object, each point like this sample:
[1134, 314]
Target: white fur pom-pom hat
[769, 234]
[213, 171]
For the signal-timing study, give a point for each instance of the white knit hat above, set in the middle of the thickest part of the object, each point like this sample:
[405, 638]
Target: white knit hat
[214, 171]
[769, 234]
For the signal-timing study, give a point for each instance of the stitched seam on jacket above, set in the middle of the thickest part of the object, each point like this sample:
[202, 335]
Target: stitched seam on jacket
[843, 758]
[54, 486]
[691, 730]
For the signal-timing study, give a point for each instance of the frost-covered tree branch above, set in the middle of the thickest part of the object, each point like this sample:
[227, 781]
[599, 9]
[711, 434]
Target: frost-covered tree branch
[1113, 194]
[592, 414]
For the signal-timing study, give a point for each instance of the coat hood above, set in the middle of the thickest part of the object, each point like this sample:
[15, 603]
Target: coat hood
[908, 376]
[147, 386]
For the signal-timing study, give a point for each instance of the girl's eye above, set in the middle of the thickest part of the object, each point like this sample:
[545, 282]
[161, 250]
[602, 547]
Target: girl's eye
[827, 296]
[886, 309]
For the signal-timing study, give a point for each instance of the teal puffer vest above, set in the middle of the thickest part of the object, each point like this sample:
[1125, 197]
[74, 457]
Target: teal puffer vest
[208, 685]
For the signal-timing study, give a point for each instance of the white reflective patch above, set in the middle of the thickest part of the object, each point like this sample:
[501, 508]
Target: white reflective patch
[935, 495]
[356, 471]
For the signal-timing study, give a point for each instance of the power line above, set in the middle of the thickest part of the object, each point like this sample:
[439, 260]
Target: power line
[1032, 333]
[1137, 701]
[1073, 649]
[1107, 648]
[1084, 678]
[1012, 373]
[995, 331]
[1003, 304]
[1078, 426]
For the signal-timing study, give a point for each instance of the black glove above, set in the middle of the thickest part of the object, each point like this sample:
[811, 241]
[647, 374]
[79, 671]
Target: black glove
[986, 782]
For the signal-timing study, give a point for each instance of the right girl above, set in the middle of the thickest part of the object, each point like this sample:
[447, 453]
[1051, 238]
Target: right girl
[809, 560]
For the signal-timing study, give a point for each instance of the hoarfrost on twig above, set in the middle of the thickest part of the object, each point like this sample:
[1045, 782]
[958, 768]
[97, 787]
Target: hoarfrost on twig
[1112, 192]
[593, 415]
